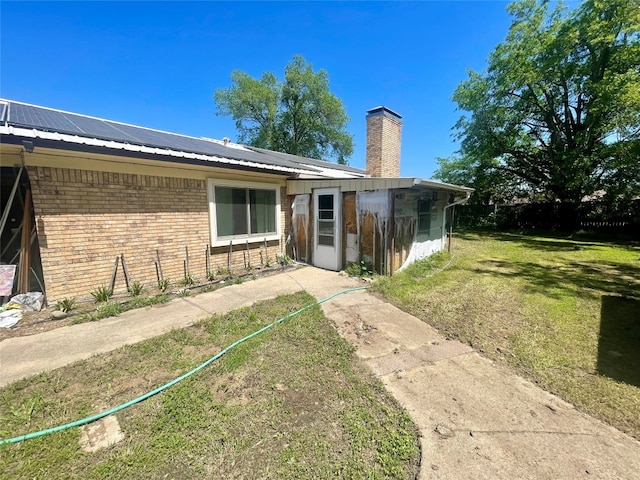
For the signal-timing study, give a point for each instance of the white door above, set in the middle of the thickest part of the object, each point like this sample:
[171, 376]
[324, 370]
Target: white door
[327, 234]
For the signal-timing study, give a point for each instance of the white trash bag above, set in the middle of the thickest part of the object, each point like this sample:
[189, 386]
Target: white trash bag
[9, 318]
[31, 301]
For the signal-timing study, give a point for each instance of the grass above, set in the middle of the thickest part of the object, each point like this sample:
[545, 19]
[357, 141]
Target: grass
[113, 309]
[292, 402]
[564, 313]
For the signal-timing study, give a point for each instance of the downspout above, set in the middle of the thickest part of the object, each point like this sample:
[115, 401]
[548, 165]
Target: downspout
[444, 215]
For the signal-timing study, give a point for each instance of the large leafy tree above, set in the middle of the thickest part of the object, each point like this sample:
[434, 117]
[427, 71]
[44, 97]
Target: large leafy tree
[558, 109]
[298, 115]
[491, 184]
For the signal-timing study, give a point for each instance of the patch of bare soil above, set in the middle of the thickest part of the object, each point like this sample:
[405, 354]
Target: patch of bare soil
[32, 323]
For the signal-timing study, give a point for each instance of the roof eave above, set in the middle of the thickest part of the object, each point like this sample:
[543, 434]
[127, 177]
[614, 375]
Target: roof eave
[119, 147]
[433, 184]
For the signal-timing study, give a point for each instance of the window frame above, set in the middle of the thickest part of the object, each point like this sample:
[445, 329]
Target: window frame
[426, 214]
[217, 241]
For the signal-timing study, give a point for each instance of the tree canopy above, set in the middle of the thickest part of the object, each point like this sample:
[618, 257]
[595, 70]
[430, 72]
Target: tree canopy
[298, 115]
[556, 115]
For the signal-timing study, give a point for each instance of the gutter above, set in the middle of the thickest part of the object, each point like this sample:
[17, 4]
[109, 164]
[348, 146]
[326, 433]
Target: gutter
[437, 185]
[444, 215]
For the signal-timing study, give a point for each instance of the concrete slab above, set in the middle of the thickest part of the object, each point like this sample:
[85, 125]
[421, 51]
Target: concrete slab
[24, 356]
[480, 421]
[100, 434]
[425, 355]
[322, 283]
[239, 295]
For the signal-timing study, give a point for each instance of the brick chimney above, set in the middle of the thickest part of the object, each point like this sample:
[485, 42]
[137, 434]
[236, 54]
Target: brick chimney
[384, 129]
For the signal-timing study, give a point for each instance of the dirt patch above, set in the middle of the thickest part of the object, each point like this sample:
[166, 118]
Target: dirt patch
[33, 323]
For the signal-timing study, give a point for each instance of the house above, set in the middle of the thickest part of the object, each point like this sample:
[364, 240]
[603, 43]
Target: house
[79, 194]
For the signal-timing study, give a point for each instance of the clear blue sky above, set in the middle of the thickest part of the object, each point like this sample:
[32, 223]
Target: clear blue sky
[157, 64]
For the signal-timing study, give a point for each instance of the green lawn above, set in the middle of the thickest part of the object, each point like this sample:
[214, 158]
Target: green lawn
[293, 402]
[561, 312]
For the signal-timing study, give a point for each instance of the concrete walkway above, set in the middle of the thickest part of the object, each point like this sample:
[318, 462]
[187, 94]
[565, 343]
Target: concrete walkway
[477, 420]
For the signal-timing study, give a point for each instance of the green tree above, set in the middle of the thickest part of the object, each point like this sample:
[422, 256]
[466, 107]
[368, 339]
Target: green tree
[491, 184]
[558, 108]
[298, 115]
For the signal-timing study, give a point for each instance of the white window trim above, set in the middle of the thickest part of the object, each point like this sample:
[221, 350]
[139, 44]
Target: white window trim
[240, 239]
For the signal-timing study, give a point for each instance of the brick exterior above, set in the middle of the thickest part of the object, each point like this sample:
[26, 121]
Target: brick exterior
[85, 218]
[384, 132]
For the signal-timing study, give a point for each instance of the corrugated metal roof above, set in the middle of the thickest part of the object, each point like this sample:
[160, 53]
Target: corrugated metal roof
[4, 106]
[320, 164]
[95, 142]
[77, 128]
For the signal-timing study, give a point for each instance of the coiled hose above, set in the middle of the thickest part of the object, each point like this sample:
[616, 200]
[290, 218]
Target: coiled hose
[139, 399]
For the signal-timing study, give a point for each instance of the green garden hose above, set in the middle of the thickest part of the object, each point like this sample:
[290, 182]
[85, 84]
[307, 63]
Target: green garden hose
[139, 399]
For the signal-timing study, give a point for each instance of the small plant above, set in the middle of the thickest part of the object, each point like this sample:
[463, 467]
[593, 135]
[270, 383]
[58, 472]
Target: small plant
[110, 309]
[25, 411]
[163, 284]
[136, 289]
[223, 272]
[66, 304]
[83, 318]
[361, 269]
[184, 292]
[187, 280]
[283, 259]
[211, 276]
[102, 294]
[209, 288]
[138, 302]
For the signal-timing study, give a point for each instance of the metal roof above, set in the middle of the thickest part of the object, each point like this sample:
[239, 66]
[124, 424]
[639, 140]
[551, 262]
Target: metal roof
[41, 122]
[75, 142]
[81, 132]
[312, 162]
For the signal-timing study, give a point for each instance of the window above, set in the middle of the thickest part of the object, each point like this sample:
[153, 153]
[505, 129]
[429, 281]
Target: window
[424, 215]
[326, 220]
[242, 211]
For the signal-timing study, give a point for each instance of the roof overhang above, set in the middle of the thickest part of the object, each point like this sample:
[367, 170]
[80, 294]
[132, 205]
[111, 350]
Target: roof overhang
[62, 141]
[301, 185]
[442, 186]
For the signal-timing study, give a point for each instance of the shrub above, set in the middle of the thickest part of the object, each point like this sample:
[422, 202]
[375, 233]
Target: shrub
[136, 289]
[102, 293]
[163, 284]
[66, 304]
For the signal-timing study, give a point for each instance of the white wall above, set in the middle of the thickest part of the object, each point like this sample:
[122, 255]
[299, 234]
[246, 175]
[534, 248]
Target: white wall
[426, 245]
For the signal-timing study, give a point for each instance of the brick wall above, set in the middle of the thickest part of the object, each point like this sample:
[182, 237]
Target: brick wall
[85, 218]
[384, 134]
